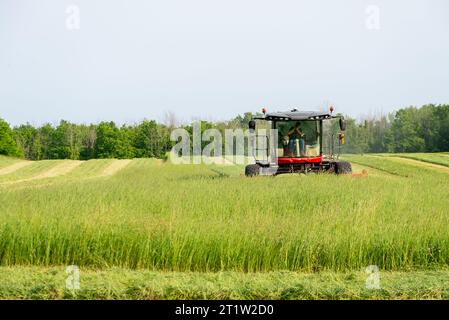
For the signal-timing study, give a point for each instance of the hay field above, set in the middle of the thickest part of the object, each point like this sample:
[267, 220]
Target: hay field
[147, 216]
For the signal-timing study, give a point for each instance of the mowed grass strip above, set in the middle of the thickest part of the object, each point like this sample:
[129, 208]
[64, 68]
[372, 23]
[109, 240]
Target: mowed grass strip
[35, 169]
[161, 216]
[421, 164]
[66, 172]
[115, 167]
[61, 169]
[90, 169]
[115, 283]
[434, 158]
[394, 165]
[14, 167]
[8, 161]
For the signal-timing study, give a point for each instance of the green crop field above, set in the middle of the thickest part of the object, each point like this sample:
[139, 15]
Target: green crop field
[149, 229]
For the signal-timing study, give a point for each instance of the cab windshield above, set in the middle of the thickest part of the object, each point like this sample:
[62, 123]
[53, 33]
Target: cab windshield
[298, 138]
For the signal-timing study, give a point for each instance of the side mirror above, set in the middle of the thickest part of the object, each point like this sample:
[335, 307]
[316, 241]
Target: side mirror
[342, 124]
[252, 125]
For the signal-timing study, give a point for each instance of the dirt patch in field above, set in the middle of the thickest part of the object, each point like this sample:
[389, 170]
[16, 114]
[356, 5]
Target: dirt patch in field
[115, 167]
[358, 169]
[14, 167]
[422, 164]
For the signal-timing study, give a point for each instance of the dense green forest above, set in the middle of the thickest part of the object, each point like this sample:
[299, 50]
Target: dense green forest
[78, 141]
[411, 129]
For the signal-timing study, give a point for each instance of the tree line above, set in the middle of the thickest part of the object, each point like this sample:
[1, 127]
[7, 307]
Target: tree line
[411, 129]
[147, 139]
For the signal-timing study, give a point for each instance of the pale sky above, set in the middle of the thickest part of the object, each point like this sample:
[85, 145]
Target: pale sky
[137, 59]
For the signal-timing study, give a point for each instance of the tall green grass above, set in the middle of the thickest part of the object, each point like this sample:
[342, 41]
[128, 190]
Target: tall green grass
[210, 218]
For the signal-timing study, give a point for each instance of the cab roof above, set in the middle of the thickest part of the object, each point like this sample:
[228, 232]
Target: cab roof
[295, 115]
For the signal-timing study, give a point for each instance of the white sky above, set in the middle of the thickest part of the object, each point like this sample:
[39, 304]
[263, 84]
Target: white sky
[214, 59]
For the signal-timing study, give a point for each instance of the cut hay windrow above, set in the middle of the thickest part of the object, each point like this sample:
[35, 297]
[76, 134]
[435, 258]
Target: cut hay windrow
[115, 167]
[14, 167]
[421, 163]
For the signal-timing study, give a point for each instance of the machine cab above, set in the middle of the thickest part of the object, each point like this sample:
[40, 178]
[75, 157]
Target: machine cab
[297, 142]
